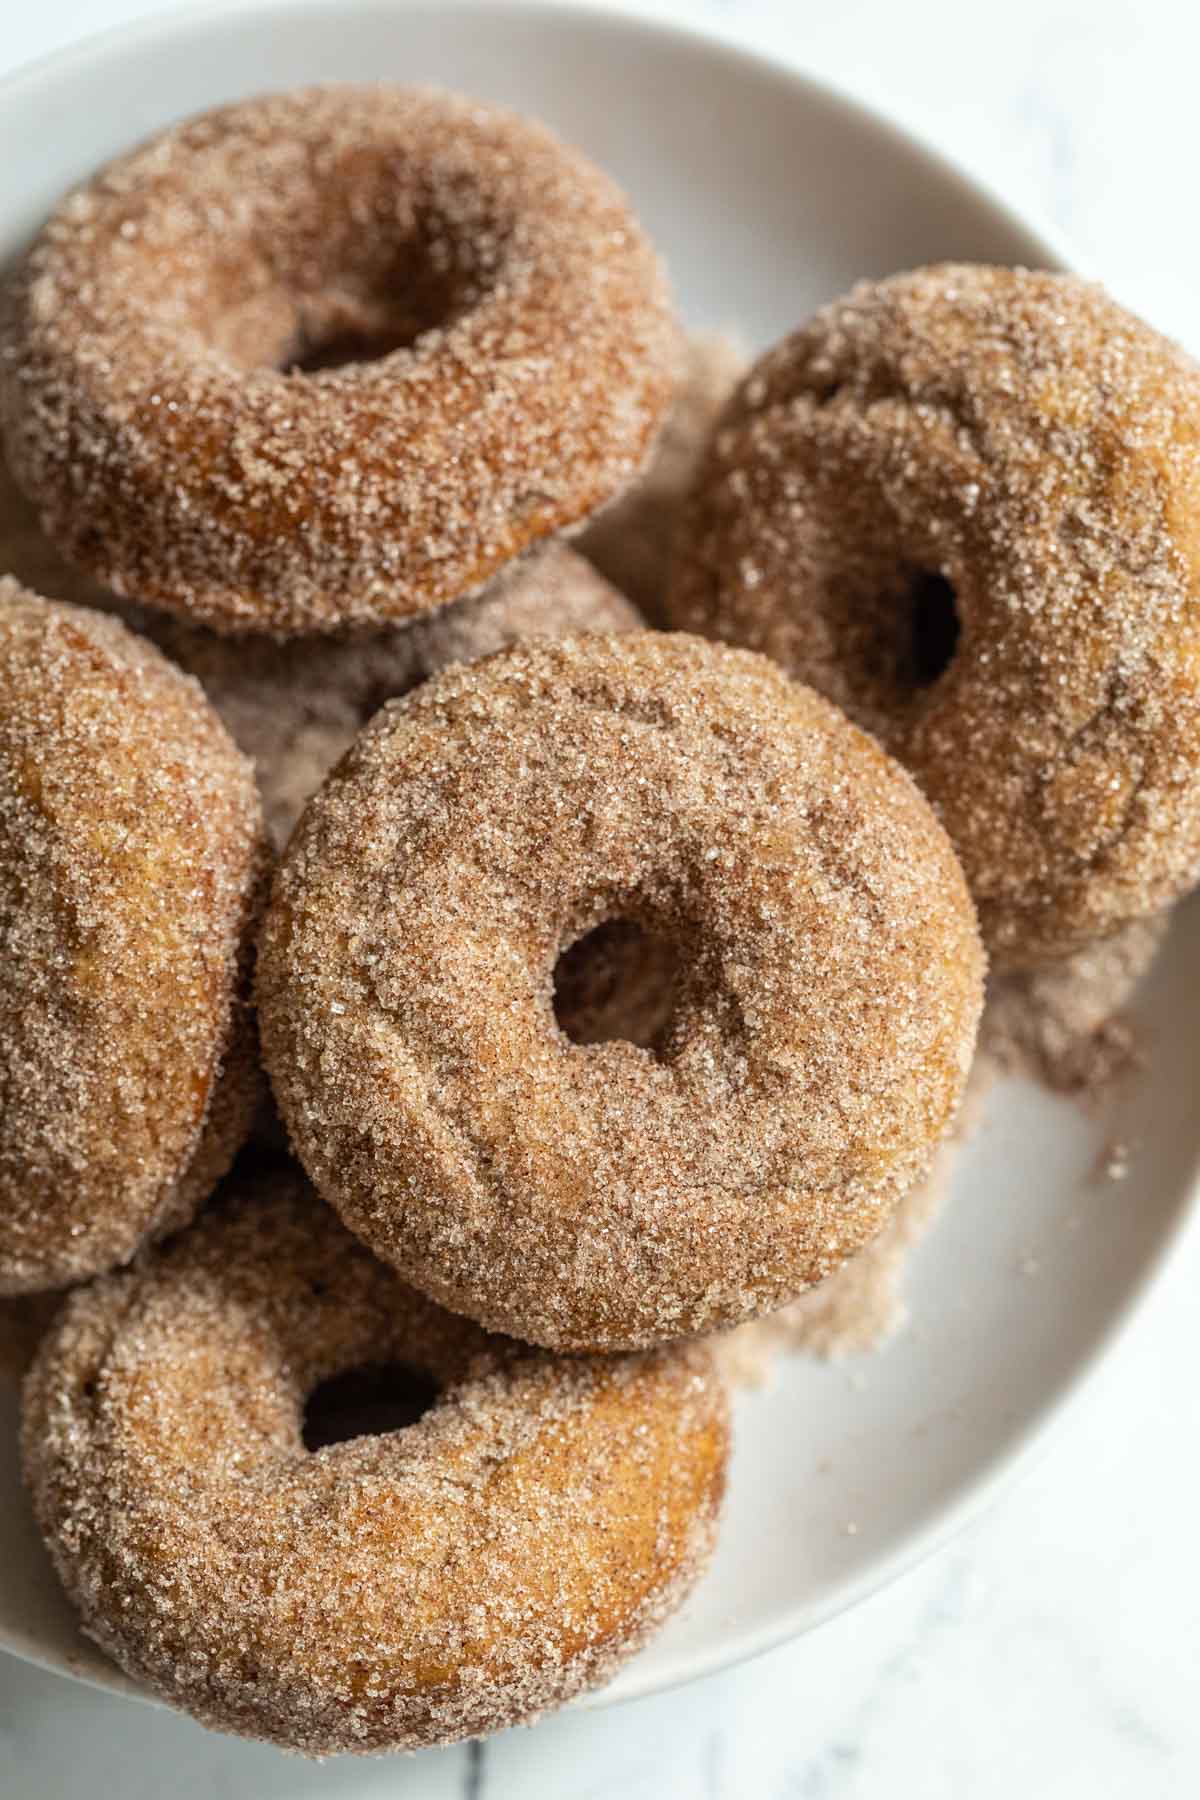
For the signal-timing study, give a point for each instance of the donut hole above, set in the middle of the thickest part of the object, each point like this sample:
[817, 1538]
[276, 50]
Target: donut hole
[366, 1401]
[349, 312]
[352, 344]
[619, 982]
[345, 325]
[934, 628]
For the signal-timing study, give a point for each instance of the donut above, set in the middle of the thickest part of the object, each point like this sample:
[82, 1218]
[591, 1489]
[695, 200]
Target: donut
[606, 1196]
[131, 864]
[845, 383]
[295, 707]
[331, 356]
[425, 1579]
[962, 504]
[631, 540]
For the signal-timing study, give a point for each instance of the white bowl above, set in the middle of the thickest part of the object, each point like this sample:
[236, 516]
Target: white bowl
[767, 194]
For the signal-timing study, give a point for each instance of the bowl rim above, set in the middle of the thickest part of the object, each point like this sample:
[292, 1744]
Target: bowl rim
[198, 16]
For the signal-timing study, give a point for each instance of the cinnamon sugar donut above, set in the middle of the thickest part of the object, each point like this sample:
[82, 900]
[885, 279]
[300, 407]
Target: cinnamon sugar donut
[177, 391]
[504, 1552]
[604, 1196]
[130, 867]
[296, 707]
[963, 504]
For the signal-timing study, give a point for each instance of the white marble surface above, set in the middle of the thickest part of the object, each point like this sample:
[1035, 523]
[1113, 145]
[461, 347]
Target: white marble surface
[1056, 1650]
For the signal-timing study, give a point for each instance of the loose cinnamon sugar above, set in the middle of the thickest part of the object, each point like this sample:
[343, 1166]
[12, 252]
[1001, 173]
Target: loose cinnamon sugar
[1115, 1160]
[962, 503]
[1064, 1025]
[605, 1196]
[130, 872]
[507, 1551]
[160, 397]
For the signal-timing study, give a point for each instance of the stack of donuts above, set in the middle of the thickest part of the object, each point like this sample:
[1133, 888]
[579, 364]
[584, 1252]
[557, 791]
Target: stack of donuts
[434, 1003]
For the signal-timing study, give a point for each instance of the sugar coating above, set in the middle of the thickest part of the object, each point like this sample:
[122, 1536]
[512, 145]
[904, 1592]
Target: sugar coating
[1064, 1025]
[150, 404]
[504, 1553]
[131, 863]
[632, 539]
[604, 1196]
[1021, 437]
